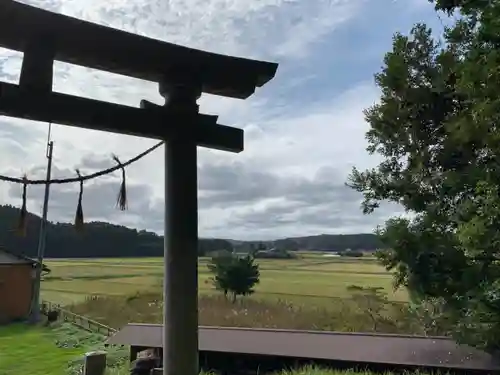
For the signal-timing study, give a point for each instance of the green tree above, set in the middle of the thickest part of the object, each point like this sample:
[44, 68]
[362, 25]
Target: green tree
[219, 265]
[436, 129]
[234, 274]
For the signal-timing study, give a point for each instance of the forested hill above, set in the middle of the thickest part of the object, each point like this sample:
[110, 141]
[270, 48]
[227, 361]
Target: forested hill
[332, 242]
[100, 239]
[322, 242]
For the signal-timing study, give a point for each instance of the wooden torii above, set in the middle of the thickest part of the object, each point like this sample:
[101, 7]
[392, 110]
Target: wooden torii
[182, 74]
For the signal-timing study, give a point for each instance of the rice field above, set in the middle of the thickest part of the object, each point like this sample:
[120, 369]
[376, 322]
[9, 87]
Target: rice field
[313, 277]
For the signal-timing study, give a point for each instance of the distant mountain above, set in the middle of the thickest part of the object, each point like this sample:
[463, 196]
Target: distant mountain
[322, 242]
[332, 242]
[100, 239]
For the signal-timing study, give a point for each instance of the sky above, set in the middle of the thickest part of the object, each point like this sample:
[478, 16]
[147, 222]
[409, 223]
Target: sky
[304, 130]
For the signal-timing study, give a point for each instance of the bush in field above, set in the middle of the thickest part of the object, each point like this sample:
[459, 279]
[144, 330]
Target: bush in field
[351, 253]
[372, 300]
[433, 316]
[234, 274]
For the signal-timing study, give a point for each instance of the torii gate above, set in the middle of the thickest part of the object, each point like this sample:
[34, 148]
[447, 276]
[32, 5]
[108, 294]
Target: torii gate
[183, 74]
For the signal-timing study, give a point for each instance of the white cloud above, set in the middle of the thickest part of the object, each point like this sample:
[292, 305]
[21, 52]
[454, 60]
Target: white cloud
[323, 133]
[250, 28]
[284, 143]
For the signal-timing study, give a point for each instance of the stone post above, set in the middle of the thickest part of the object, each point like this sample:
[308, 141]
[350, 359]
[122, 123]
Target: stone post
[95, 363]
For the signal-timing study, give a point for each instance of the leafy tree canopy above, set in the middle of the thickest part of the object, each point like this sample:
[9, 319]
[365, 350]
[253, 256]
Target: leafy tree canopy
[234, 274]
[437, 130]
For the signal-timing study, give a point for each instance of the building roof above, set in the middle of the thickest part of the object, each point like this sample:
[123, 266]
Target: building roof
[10, 257]
[438, 352]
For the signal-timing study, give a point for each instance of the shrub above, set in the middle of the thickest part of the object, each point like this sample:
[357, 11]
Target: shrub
[351, 253]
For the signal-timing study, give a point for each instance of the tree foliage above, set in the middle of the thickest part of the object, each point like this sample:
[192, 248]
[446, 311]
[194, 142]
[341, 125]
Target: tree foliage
[437, 130]
[233, 274]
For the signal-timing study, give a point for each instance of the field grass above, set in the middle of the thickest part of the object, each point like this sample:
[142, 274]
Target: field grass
[310, 292]
[345, 315]
[310, 279]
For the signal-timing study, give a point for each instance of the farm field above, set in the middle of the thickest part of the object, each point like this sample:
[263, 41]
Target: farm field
[311, 277]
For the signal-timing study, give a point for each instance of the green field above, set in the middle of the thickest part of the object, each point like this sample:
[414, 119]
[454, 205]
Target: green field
[313, 277]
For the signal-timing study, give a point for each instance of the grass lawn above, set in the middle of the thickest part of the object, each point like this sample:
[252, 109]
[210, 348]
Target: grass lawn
[49, 351]
[33, 350]
[311, 279]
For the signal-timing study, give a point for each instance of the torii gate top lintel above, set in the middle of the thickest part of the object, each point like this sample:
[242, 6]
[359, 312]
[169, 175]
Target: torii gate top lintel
[104, 48]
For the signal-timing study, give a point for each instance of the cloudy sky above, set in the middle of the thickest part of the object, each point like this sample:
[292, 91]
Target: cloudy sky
[303, 132]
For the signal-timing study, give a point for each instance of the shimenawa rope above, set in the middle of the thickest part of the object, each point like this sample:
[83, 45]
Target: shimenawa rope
[122, 194]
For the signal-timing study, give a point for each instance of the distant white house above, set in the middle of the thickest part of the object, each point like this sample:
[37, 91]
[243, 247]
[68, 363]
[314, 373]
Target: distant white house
[331, 255]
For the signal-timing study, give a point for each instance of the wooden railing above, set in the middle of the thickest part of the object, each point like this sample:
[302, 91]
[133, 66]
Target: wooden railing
[78, 320]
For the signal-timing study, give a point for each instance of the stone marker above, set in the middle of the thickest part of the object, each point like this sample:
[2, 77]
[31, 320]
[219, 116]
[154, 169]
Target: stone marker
[95, 363]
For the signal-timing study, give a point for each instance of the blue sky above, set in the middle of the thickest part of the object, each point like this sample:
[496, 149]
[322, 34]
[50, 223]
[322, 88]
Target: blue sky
[304, 131]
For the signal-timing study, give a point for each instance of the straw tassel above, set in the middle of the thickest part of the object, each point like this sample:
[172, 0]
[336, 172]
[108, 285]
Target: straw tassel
[79, 208]
[121, 201]
[21, 226]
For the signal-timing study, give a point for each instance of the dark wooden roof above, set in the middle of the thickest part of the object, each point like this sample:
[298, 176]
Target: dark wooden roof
[8, 257]
[438, 352]
[84, 43]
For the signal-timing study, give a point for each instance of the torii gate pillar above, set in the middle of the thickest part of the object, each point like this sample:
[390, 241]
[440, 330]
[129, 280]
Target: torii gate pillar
[180, 293]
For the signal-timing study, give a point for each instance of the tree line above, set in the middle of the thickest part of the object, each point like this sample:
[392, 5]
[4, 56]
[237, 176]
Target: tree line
[97, 240]
[101, 239]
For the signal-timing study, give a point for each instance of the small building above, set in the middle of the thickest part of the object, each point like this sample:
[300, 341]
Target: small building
[17, 275]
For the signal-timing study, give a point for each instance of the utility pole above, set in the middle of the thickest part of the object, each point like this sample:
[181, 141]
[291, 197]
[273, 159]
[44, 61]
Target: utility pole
[35, 308]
